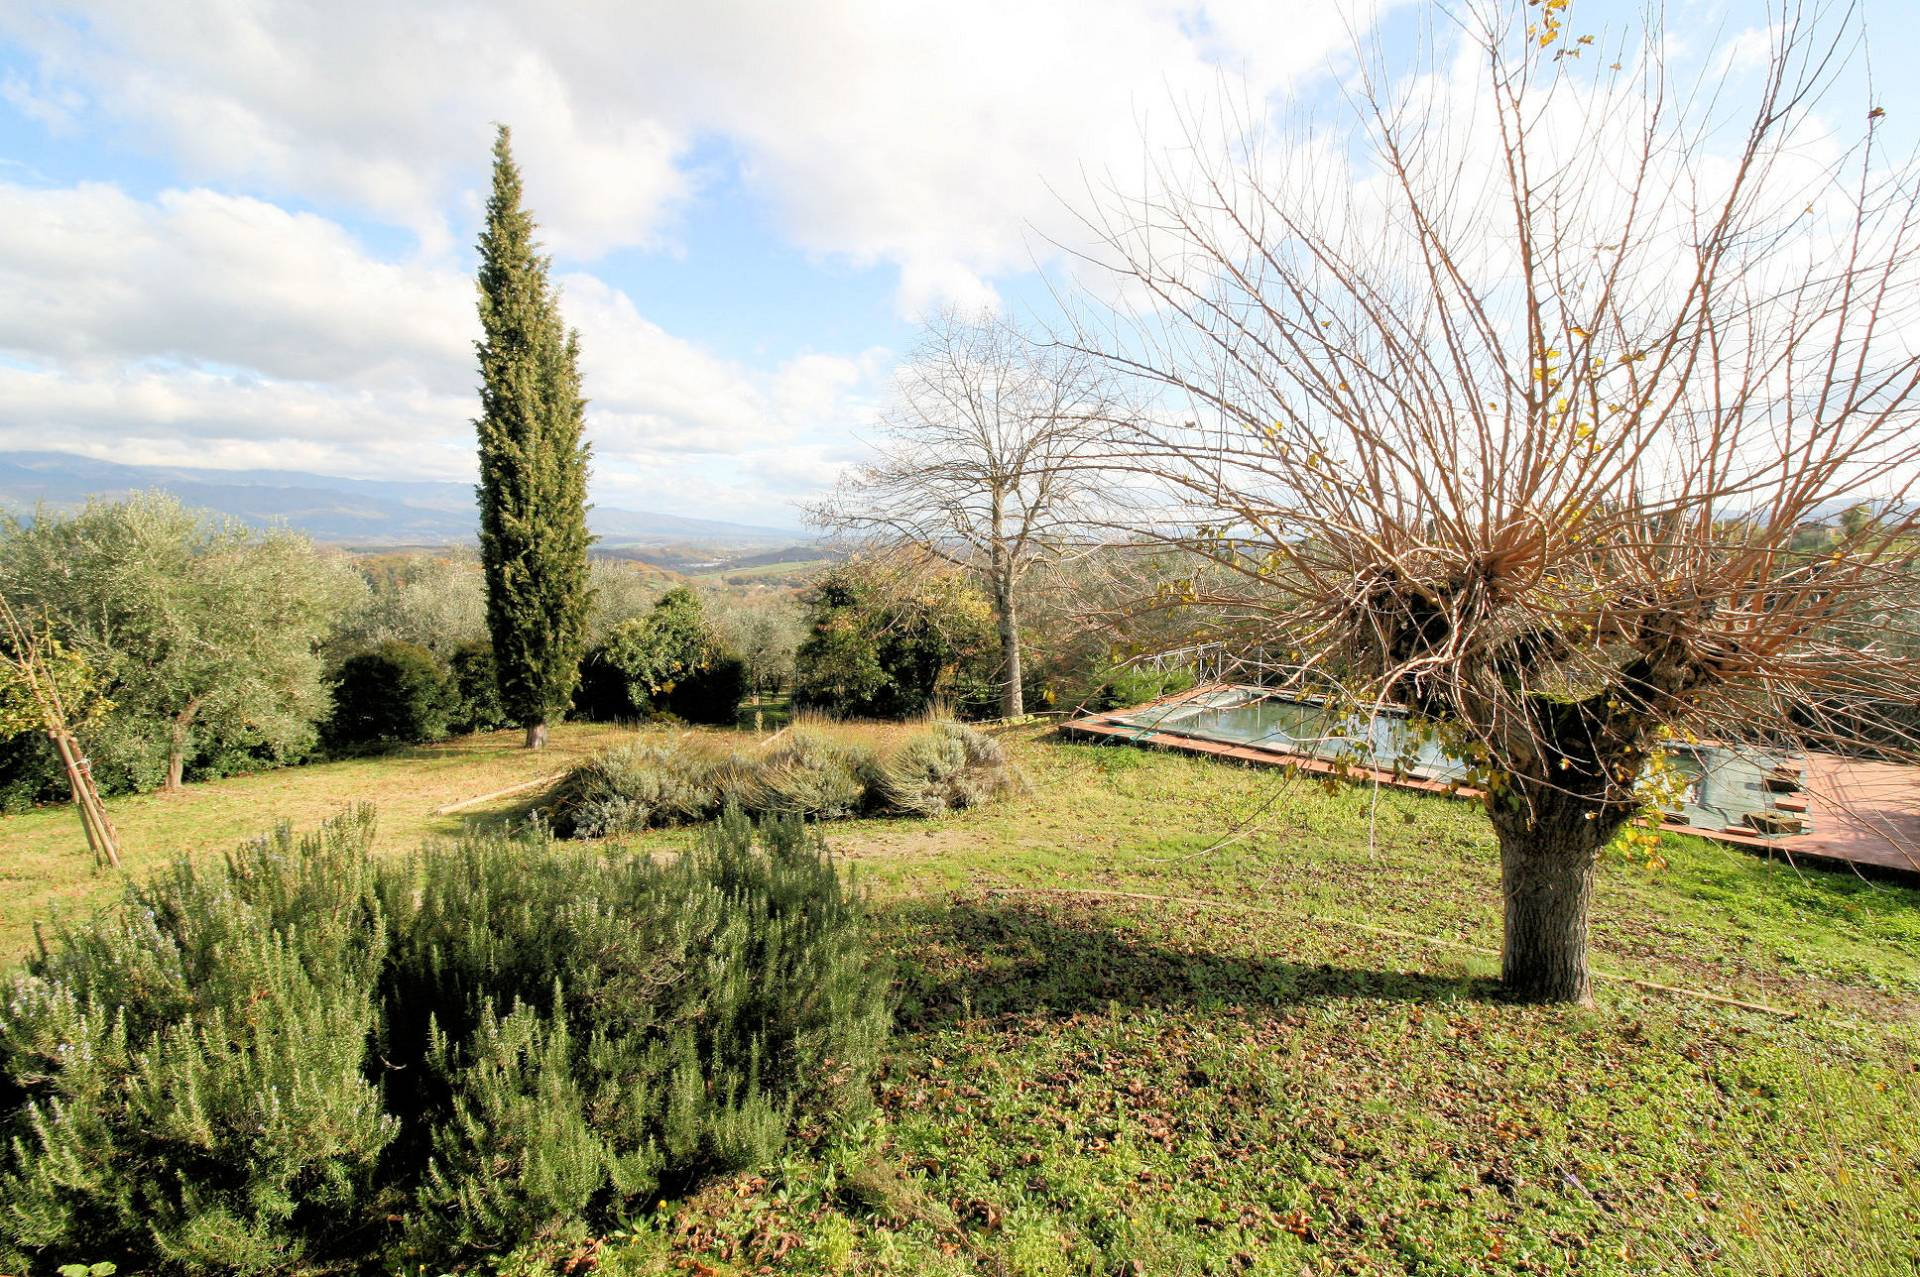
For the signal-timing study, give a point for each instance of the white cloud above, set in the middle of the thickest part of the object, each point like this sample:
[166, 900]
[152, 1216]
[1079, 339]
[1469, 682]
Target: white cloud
[1749, 50]
[92, 276]
[377, 108]
[207, 329]
[941, 144]
[219, 324]
[54, 111]
[916, 135]
[183, 416]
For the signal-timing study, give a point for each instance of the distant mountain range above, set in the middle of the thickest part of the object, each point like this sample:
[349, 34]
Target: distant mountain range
[367, 512]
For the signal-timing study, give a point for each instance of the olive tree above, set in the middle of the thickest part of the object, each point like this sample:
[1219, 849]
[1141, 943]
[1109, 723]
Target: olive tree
[437, 601]
[198, 630]
[764, 628]
[1502, 394]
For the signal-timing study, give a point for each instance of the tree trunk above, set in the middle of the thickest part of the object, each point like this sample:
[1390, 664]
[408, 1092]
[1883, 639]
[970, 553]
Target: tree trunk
[536, 735]
[1546, 879]
[1012, 697]
[1007, 614]
[177, 745]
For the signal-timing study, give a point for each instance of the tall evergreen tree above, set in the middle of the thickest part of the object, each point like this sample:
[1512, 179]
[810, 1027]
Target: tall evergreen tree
[533, 465]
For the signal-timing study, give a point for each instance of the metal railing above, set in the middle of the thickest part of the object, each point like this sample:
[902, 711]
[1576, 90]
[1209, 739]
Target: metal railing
[1216, 662]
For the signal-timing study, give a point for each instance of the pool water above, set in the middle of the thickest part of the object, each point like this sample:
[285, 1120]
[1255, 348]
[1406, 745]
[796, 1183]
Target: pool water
[1301, 727]
[1723, 785]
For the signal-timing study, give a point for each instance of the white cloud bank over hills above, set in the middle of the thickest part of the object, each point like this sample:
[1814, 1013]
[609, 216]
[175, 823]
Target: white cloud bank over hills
[208, 329]
[223, 321]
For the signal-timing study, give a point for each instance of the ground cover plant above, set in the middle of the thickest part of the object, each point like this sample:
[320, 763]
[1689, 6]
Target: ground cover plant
[816, 769]
[1309, 1070]
[297, 1058]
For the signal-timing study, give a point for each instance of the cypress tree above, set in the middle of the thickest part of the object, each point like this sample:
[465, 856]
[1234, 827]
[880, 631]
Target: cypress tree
[533, 466]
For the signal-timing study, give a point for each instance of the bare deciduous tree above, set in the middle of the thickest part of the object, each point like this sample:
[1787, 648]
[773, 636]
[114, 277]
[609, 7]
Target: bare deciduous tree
[1503, 400]
[981, 463]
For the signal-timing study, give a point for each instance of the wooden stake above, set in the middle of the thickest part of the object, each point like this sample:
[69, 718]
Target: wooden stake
[498, 793]
[31, 665]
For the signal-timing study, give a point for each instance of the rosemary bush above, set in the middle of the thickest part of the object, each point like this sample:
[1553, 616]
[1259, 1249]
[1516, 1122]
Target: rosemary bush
[297, 1059]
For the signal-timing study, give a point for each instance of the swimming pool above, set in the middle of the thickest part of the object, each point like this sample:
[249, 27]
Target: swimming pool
[1724, 787]
[1300, 727]
[1726, 790]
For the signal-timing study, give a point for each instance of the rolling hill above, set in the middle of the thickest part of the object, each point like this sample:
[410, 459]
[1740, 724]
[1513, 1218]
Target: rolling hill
[364, 512]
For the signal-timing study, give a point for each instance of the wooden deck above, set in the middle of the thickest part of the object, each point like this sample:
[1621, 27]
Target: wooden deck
[1862, 815]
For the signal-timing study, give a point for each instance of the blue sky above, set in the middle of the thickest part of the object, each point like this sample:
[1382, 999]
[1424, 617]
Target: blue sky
[239, 234]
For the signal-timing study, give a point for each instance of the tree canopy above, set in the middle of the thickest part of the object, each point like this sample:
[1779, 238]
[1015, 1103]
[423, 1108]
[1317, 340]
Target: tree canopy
[887, 639]
[202, 632]
[983, 463]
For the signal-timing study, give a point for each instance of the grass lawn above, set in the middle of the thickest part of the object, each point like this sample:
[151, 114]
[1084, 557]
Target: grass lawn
[46, 865]
[1301, 1066]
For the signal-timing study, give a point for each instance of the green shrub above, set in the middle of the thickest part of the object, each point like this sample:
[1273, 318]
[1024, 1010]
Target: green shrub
[712, 693]
[297, 1060]
[396, 693]
[818, 771]
[837, 668]
[477, 706]
[1131, 685]
[669, 660]
[632, 787]
[813, 774]
[604, 694]
[184, 1079]
[31, 773]
[945, 768]
[600, 1025]
[885, 642]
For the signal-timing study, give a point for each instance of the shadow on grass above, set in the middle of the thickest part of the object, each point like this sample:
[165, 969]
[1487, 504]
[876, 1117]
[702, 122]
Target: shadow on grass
[459, 747]
[1008, 956]
[506, 815]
